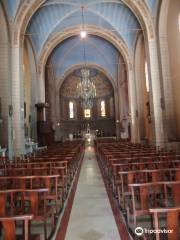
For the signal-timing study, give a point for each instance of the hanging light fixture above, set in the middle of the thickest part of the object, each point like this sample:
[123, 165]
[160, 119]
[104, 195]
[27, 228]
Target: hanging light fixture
[83, 32]
[86, 89]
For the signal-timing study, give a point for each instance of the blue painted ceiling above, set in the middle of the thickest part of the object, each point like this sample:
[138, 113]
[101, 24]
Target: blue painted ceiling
[152, 4]
[71, 52]
[12, 5]
[56, 15]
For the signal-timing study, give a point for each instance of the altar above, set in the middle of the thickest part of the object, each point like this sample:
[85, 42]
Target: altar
[89, 137]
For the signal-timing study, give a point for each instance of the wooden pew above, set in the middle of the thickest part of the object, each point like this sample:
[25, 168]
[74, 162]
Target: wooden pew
[145, 196]
[9, 227]
[116, 168]
[16, 202]
[32, 182]
[172, 225]
[143, 176]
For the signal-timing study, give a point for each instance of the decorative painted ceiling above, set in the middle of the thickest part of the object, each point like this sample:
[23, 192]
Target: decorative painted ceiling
[12, 5]
[71, 52]
[103, 85]
[57, 15]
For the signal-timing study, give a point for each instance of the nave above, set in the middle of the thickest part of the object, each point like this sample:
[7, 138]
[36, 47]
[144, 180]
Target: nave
[91, 216]
[74, 72]
[68, 191]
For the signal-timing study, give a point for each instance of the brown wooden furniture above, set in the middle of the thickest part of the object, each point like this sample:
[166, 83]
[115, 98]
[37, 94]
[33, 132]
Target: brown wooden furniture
[9, 227]
[172, 222]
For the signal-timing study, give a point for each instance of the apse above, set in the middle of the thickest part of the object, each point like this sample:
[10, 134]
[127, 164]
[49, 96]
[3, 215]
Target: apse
[74, 118]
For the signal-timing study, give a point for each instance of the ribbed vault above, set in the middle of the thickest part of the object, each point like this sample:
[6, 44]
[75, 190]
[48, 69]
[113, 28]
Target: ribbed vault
[56, 16]
[13, 5]
[71, 52]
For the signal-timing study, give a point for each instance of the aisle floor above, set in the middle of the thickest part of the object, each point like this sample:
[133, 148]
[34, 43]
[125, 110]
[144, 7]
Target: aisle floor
[91, 216]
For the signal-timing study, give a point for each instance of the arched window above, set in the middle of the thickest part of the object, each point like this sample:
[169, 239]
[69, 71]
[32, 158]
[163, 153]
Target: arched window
[71, 110]
[103, 108]
[147, 77]
[87, 113]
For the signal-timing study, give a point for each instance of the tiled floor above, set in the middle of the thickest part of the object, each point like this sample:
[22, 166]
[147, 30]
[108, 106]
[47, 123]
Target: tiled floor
[91, 217]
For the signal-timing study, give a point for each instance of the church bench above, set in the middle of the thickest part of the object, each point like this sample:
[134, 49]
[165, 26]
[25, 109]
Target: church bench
[44, 163]
[33, 182]
[33, 202]
[120, 167]
[143, 176]
[70, 166]
[41, 171]
[9, 227]
[146, 196]
[172, 225]
[110, 167]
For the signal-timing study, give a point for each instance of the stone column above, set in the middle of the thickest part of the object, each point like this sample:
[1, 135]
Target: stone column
[165, 66]
[6, 98]
[17, 101]
[116, 100]
[41, 86]
[133, 107]
[123, 101]
[156, 103]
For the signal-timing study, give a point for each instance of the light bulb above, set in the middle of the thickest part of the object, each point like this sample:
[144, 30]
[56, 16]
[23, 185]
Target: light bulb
[83, 34]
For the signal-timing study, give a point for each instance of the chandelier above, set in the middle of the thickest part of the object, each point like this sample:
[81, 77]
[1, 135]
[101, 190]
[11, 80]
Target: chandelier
[86, 89]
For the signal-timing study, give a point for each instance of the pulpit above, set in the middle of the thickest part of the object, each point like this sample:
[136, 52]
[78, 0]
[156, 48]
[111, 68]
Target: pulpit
[45, 131]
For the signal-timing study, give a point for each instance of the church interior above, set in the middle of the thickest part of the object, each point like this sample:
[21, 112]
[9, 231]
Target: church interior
[90, 119]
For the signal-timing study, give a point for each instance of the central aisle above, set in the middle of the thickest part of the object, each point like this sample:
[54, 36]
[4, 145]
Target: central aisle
[91, 216]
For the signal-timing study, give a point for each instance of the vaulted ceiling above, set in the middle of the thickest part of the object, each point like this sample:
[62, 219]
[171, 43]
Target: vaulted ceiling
[56, 16]
[71, 52]
[12, 5]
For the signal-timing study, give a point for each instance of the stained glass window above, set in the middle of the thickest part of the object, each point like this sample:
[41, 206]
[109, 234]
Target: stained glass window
[87, 113]
[103, 109]
[71, 110]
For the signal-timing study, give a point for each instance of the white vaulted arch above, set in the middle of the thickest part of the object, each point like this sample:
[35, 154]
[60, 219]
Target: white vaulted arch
[142, 13]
